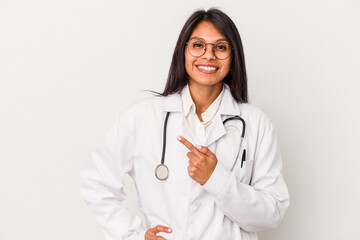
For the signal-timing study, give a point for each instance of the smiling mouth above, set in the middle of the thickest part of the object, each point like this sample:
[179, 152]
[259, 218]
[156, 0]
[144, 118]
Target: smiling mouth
[207, 69]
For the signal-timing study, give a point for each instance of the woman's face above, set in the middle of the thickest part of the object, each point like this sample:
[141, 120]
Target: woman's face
[206, 69]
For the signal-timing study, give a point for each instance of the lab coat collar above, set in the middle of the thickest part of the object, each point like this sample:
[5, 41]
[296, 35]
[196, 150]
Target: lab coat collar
[228, 106]
[173, 103]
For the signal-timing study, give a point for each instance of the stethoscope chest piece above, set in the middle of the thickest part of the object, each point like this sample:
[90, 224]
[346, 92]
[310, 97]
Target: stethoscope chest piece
[161, 172]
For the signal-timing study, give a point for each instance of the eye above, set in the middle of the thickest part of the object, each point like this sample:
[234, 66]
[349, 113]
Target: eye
[198, 45]
[221, 47]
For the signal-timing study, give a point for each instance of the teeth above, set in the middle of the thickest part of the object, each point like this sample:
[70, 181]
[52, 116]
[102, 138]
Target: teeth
[207, 68]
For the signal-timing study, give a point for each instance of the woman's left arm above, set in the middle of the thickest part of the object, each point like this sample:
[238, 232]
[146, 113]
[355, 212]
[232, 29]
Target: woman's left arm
[262, 204]
[256, 206]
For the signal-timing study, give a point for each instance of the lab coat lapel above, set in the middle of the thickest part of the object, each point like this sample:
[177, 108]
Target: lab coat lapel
[228, 107]
[173, 103]
[217, 131]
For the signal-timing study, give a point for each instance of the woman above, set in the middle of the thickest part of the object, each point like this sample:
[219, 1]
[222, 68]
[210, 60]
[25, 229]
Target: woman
[205, 186]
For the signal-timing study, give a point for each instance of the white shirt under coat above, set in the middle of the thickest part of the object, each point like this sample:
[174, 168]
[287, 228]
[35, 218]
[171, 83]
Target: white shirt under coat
[231, 205]
[200, 129]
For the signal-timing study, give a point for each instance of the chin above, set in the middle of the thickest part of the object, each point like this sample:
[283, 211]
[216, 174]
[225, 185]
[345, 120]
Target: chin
[206, 82]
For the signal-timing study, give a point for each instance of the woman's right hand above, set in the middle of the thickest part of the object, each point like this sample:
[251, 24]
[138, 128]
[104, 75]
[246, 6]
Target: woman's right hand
[150, 234]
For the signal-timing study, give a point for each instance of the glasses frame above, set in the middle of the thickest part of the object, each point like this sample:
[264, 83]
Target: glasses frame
[213, 49]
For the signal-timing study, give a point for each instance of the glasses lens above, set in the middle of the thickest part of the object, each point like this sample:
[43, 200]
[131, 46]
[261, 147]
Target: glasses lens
[196, 48]
[222, 50]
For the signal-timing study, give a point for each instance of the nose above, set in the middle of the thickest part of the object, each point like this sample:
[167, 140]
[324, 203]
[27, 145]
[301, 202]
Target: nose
[209, 51]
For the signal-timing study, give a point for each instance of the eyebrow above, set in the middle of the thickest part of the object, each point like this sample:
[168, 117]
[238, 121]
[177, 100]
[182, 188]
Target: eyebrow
[219, 40]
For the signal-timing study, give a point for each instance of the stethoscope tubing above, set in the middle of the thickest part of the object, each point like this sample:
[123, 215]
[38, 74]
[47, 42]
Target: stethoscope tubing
[164, 138]
[163, 167]
[243, 123]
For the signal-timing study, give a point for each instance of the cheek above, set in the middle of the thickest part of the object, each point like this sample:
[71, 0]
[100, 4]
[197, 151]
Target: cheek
[189, 63]
[186, 62]
[187, 68]
[227, 67]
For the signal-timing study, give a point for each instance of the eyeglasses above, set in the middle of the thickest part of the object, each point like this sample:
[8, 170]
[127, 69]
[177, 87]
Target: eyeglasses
[221, 50]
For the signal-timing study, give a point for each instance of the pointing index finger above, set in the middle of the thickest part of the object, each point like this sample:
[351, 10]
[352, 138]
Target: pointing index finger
[188, 144]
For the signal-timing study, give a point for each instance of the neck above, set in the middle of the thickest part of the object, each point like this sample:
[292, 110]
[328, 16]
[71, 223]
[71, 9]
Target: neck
[203, 96]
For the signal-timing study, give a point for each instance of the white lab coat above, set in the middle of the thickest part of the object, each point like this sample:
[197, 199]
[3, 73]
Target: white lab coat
[231, 205]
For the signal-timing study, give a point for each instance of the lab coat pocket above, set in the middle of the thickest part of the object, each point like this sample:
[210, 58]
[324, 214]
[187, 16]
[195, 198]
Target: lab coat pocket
[244, 172]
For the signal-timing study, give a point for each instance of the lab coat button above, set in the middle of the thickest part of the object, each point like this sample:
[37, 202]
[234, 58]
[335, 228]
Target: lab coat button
[196, 204]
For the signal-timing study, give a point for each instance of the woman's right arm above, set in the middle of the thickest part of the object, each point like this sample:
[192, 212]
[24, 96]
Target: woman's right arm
[102, 185]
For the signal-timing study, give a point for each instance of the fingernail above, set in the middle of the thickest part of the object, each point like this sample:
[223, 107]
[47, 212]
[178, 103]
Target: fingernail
[169, 229]
[178, 138]
[198, 146]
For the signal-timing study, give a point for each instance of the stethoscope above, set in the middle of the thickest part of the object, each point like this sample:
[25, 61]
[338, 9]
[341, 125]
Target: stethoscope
[162, 171]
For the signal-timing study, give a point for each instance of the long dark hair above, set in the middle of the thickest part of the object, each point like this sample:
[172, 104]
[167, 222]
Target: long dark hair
[236, 79]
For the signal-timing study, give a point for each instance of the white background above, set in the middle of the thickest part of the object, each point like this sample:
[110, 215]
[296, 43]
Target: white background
[68, 67]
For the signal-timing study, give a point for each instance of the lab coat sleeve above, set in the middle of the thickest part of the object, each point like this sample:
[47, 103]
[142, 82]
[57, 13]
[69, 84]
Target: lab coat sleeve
[261, 204]
[102, 185]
